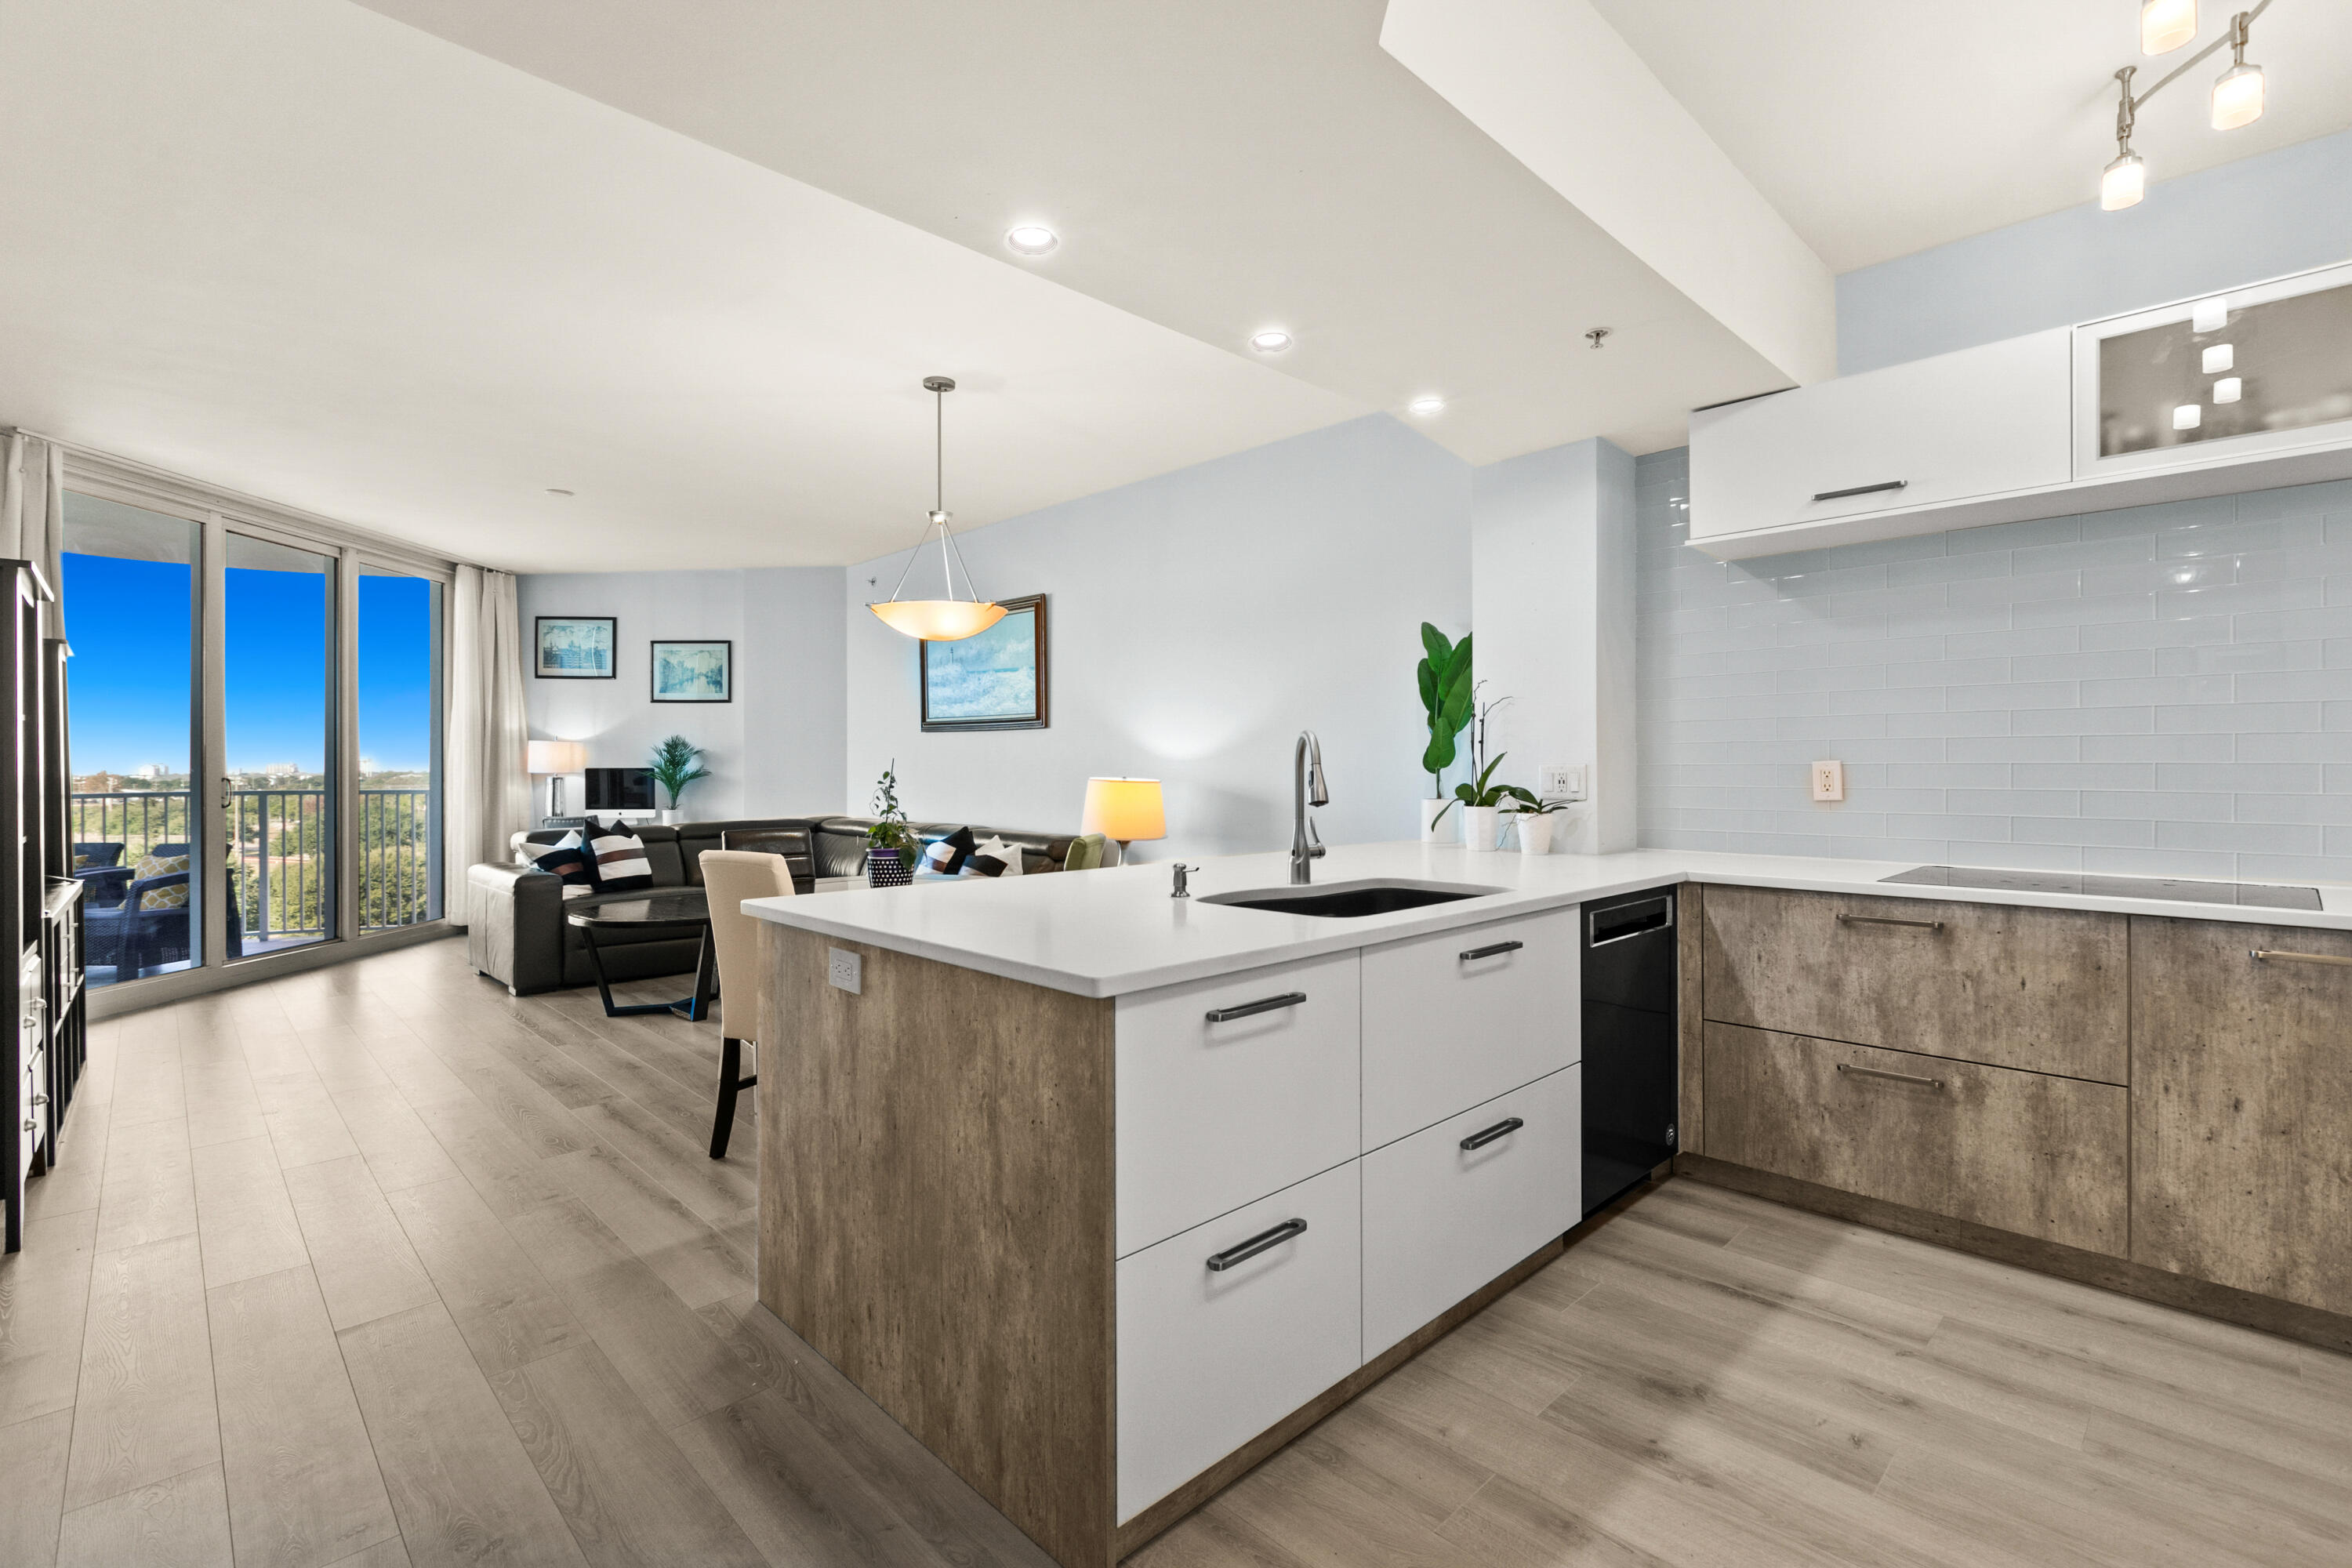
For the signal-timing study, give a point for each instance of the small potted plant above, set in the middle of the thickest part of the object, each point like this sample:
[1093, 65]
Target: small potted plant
[678, 763]
[1482, 804]
[1533, 816]
[1444, 674]
[890, 843]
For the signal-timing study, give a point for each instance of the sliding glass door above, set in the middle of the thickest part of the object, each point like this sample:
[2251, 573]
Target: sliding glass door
[278, 707]
[130, 593]
[255, 736]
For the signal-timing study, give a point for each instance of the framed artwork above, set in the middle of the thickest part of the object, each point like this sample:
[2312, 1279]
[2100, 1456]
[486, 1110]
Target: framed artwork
[574, 647]
[694, 671]
[996, 680]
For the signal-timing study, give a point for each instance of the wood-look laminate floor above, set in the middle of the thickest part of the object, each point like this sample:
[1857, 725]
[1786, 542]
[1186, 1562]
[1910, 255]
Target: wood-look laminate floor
[378, 1264]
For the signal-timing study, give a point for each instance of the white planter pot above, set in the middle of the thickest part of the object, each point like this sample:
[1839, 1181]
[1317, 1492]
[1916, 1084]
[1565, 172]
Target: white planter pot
[1430, 826]
[669, 815]
[1535, 834]
[1479, 828]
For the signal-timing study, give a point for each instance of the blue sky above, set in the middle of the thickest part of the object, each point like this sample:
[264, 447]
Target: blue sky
[130, 677]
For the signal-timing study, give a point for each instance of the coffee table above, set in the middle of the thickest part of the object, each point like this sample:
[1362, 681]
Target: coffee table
[685, 908]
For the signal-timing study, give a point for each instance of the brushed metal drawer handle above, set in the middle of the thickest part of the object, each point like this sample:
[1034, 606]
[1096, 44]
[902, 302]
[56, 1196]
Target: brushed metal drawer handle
[1251, 1009]
[2263, 955]
[1934, 1083]
[1887, 921]
[1221, 1261]
[1495, 952]
[1502, 1129]
[1860, 489]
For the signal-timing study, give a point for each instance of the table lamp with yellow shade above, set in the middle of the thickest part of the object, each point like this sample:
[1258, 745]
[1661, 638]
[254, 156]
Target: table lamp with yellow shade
[1124, 810]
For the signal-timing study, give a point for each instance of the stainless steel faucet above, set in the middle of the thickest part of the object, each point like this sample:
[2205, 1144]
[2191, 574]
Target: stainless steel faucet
[1308, 789]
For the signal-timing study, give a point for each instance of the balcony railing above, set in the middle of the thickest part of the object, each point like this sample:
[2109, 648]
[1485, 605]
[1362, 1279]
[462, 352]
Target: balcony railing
[278, 851]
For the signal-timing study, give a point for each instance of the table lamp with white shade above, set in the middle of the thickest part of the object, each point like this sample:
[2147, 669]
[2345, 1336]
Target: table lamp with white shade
[1124, 810]
[552, 760]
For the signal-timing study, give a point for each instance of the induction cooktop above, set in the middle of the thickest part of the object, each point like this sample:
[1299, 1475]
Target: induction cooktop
[2172, 888]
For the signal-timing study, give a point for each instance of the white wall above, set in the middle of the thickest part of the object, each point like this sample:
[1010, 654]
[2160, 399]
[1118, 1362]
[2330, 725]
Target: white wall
[1197, 622]
[774, 751]
[1552, 601]
[2281, 212]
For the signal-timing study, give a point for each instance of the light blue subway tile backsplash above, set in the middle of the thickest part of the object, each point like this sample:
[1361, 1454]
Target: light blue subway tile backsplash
[2162, 691]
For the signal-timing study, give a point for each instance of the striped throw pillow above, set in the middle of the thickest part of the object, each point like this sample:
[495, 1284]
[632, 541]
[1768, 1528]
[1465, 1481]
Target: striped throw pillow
[616, 859]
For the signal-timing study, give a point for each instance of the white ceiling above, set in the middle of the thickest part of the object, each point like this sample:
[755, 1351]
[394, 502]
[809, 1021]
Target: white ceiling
[410, 263]
[1878, 128]
[1216, 166]
[293, 249]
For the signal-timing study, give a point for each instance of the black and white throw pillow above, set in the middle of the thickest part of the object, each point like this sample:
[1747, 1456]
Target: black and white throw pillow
[945, 857]
[565, 857]
[995, 857]
[616, 859]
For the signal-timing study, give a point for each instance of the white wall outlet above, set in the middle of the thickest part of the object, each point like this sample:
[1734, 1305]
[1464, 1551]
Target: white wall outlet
[1829, 781]
[1562, 783]
[841, 970]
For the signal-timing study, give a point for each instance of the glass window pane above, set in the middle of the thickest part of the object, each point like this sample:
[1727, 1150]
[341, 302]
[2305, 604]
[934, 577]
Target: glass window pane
[2281, 364]
[277, 685]
[399, 801]
[129, 594]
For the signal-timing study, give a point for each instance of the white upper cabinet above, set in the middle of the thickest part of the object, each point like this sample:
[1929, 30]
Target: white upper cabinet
[1981, 422]
[2247, 390]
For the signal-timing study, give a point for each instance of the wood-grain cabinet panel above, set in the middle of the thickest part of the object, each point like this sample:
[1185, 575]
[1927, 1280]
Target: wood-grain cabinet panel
[2242, 1107]
[2040, 990]
[2022, 1152]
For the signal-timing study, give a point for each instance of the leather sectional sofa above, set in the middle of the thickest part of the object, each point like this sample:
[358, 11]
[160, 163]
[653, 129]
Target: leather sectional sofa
[516, 932]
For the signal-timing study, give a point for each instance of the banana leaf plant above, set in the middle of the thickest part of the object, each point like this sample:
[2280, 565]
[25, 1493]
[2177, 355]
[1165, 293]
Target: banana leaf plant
[1446, 690]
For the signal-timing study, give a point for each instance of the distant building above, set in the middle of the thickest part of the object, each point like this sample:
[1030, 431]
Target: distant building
[151, 770]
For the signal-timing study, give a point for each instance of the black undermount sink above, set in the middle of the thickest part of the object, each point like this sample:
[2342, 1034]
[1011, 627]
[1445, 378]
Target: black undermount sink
[1349, 901]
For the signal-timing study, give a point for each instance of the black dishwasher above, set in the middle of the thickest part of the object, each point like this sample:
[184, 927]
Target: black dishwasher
[1630, 1041]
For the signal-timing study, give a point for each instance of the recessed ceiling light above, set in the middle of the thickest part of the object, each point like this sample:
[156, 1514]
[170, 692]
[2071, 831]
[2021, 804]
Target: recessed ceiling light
[1432, 404]
[1271, 340]
[553, 491]
[1030, 239]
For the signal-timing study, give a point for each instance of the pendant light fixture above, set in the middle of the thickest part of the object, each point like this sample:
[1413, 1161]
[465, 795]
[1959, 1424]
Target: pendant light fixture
[2237, 95]
[947, 619]
[2166, 25]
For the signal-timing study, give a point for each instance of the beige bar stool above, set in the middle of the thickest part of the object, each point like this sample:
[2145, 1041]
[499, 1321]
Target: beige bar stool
[729, 877]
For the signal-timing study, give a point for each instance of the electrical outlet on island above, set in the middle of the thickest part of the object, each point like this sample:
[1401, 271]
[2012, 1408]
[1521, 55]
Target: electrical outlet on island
[1829, 781]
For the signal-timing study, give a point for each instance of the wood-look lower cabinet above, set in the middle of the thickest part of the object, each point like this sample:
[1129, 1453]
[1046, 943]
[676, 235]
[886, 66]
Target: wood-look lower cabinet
[2040, 990]
[2020, 1152]
[2242, 1107]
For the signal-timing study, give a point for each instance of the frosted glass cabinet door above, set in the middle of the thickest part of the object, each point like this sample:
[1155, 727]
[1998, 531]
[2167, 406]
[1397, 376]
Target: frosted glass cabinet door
[2256, 370]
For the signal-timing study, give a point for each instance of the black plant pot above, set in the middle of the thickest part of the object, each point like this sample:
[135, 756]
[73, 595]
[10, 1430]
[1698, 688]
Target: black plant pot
[888, 869]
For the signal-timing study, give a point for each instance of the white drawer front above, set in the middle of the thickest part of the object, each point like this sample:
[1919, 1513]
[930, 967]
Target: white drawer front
[1213, 1115]
[1441, 1220]
[1209, 1359]
[1443, 1031]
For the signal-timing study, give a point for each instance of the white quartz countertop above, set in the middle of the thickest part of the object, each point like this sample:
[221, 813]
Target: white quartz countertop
[1108, 932]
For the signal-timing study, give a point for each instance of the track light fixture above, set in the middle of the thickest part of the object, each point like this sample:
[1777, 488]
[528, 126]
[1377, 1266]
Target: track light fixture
[2166, 25]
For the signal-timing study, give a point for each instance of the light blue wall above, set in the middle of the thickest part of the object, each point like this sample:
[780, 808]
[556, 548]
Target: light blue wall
[1197, 622]
[2281, 212]
[2165, 691]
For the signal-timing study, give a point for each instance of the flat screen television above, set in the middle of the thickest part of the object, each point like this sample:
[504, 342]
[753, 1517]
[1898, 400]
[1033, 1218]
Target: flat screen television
[620, 789]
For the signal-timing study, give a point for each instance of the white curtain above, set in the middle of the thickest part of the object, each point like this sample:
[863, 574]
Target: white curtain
[485, 734]
[33, 516]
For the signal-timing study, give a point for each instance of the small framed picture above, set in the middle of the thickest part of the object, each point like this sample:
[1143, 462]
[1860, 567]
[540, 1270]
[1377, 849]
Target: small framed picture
[996, 680]
[575, 648]
[694, 671]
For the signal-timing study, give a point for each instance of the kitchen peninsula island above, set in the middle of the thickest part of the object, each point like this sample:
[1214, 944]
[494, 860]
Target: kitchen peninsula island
[1105, 1195]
